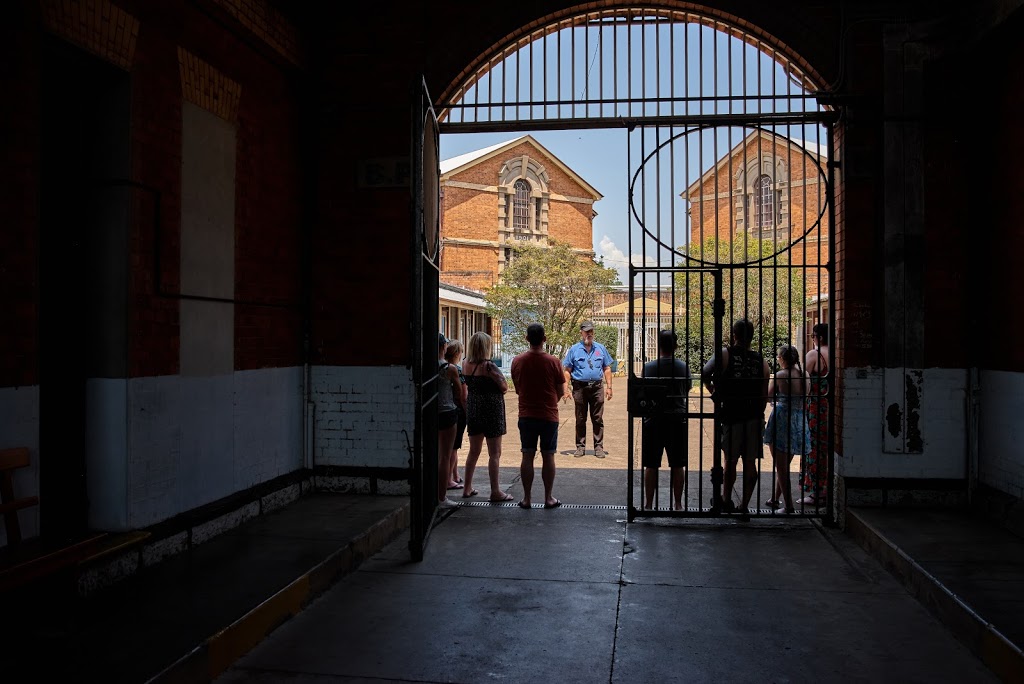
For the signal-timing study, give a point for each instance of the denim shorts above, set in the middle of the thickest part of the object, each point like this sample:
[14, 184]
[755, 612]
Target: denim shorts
[533, 429]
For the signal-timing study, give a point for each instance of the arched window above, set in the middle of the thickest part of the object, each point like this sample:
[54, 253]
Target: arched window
[521, 207]
[764, 203]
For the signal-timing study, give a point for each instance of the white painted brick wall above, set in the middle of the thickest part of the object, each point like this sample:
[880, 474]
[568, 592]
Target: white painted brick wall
[942, 424]
[195, 440]
[19, 427]
[360, 415]
[1000, 449]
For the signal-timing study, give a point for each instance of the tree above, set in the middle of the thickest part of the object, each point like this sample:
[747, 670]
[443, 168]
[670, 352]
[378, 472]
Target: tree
[770, 294]
[608, 335]
[551, 285]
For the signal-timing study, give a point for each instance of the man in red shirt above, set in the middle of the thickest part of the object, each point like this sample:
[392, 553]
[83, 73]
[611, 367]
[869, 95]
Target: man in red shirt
[539, 383]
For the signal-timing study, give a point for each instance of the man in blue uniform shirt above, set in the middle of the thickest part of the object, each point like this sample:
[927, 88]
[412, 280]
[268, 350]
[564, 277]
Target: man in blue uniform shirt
[588, 379]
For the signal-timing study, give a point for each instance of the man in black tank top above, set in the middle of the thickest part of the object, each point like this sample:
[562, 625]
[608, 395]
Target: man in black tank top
[740, 394]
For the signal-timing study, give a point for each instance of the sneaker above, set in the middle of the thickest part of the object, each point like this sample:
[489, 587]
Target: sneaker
[448, 503]
[743, 515]
[600, 453]
[579, 452]
[728, 506]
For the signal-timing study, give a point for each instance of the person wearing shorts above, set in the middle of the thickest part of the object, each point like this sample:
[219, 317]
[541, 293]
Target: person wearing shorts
[539, 383]
[740, 393]
[666, 432]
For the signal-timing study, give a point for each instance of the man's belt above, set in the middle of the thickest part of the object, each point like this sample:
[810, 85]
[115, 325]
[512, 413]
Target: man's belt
[585, 383]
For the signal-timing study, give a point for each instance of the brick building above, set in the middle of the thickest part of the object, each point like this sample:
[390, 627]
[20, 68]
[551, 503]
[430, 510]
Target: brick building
[769, 187]
[510, 193]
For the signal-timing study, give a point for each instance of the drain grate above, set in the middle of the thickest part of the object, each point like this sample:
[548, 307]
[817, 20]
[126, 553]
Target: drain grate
[764, 513]
[514, 504]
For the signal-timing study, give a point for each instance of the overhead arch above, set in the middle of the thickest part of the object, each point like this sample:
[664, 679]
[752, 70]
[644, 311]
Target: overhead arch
[588, 64]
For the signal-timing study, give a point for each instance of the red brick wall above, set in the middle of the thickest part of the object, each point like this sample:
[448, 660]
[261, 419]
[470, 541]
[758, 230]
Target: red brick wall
[572, 222]
[470, 214]
[156, 162]
[992, 218]
[472, 266]
[267, 202]
[19, 195]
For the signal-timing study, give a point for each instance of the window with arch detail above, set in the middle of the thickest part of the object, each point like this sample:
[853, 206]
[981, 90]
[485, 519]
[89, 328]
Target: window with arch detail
[521, 207]
[764, 202]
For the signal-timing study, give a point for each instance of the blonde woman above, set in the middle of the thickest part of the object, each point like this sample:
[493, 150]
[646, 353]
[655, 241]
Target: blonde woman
[485, 414]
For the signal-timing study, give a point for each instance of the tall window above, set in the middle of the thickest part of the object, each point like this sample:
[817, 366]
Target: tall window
[521, 207]
[764, 203]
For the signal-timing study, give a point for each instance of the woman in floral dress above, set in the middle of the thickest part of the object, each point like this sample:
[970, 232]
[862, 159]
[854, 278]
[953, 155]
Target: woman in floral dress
[815, 480]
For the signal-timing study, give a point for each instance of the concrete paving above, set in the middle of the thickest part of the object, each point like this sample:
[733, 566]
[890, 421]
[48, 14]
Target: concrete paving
[577, 595]
[571, 594]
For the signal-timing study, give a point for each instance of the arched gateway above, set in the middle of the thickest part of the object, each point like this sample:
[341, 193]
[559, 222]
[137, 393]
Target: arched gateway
[731, 196]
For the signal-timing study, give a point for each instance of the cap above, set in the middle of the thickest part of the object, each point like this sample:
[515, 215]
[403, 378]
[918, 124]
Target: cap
[587, 325]
[441, 339]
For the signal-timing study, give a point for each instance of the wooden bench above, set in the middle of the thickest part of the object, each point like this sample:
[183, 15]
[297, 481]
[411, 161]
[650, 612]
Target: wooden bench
[10, 460]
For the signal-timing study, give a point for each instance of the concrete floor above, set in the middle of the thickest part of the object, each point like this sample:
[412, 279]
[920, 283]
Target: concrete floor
[576, 595]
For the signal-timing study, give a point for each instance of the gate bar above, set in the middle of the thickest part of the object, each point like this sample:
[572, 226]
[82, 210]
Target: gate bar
[631, 122]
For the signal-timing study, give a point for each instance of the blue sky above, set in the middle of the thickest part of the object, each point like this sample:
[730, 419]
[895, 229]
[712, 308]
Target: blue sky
[688, 67]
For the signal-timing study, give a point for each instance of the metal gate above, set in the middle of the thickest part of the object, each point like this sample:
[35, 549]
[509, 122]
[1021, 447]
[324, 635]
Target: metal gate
[731, 189]
[423, 327]
[730, 219]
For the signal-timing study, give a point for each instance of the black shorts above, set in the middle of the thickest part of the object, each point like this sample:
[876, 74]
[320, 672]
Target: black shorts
[460, 428]
[668, 435]
[533, 429]
[446, 419]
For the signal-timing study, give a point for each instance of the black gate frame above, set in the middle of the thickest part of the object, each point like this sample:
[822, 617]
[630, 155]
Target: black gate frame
[828, 119]
[635, 387]
[426, 173]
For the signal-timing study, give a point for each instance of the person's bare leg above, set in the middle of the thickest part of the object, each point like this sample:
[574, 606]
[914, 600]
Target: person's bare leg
[728, 481]
[749, 479]
[650, 487]
[776, 487]
[782, 462]
[476, 445]
[547, 474]
[678, 480]
[526, 475]
[454, 476]
[445, 440]
[493, 467]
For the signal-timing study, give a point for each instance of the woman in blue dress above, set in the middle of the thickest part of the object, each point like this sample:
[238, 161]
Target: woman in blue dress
[786, 432]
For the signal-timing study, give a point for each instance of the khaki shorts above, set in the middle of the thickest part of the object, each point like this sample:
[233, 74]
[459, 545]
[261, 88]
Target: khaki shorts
[743, 439]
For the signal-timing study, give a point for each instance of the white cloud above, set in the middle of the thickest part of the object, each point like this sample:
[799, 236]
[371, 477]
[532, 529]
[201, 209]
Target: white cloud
[614, 257]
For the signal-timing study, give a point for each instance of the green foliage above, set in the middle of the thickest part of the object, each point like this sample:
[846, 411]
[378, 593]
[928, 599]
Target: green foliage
[616, 281]
[551, 285]
[608, 335]
[771, 296]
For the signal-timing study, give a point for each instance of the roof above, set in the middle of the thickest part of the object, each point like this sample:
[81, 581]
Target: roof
[469, 158]
[813, 149]
[460, 295]
[450, 167]
[638, 305]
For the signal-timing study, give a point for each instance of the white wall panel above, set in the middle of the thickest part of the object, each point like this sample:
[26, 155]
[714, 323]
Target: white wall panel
[941, 423]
